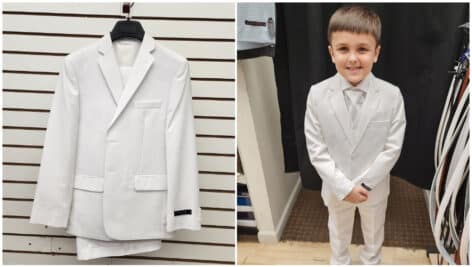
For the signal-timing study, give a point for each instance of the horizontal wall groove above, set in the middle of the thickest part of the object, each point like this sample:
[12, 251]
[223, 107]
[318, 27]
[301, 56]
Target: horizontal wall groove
[214, 98]
[214, 117]
[24, 128]
[217, 226]
[9, 181]
[106, 16]
[230, 40]
[22, 146]
[52, 92]
[31, 72]
[39, 252]
[197, 243]
[214, 79]
[121, 257]
[27, 110]
[16, 217]
[216, 136]
[216, 154]
[21, 164]
[39, 235]
[18, 199]
[65, 54]
[217, 191]
[211, 172]
[28, 91]
[57, 73]
[216, 209]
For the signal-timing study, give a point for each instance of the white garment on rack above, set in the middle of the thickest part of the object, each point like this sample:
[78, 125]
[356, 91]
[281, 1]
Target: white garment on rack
[88, 248]
[119, 164]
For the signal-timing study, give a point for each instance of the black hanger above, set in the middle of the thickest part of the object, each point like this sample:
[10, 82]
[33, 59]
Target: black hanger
[127, 28]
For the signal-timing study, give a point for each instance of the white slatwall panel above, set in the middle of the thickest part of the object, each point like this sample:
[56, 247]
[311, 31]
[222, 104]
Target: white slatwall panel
[37, 37]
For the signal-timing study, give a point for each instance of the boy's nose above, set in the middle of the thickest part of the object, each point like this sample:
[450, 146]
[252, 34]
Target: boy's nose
[352, 57]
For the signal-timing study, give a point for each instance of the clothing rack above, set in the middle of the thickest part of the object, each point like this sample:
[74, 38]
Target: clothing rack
[449, 196]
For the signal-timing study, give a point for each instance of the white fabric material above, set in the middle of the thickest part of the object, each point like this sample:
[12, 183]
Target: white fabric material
[119, 156]
[88, 249]
[345, 157]
[341, 224]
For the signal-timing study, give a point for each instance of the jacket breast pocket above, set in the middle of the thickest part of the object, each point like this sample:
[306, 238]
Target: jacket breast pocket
[150, 182]
[152, 104]
[376, 133]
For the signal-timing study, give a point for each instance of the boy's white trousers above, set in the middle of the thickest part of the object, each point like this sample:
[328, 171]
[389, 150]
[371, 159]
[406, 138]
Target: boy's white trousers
[341, 224]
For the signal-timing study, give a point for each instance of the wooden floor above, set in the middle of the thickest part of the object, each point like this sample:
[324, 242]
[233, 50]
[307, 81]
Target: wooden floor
[295, 252]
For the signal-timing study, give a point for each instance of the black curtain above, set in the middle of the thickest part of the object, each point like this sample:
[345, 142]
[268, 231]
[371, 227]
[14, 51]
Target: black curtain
[419, 45]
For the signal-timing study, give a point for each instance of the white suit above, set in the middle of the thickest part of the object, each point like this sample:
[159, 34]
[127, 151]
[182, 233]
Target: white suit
[119, 159]
[344, 158]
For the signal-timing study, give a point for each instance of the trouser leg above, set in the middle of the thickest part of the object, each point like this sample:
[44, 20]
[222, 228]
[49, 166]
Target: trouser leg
[372, 223]
[340, 225]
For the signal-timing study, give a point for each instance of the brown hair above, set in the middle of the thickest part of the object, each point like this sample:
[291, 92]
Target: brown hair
[357, 19]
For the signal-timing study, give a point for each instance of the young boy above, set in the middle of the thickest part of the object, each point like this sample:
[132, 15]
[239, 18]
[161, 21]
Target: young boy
[354, 128]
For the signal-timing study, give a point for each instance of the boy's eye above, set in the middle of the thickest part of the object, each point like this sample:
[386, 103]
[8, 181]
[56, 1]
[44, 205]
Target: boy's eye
[363, 49]
[342, 48]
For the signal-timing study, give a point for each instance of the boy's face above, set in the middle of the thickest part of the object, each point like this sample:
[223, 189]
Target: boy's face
[354, 54]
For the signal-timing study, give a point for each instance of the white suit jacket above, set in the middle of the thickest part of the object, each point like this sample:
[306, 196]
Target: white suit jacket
[119, 160]
[341, 159]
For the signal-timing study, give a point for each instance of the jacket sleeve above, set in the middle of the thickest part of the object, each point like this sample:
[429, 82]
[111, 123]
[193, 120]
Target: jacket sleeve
[320, 157]
[385, 161]
[183, 207]
[53, 197]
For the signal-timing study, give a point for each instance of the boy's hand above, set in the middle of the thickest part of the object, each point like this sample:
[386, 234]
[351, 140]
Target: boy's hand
[357, 195]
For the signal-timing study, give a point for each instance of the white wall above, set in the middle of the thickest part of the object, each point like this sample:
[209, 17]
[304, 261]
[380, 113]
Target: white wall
[36, 38]
[272, 191]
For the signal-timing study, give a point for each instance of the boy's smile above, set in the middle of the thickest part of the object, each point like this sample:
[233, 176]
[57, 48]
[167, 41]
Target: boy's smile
[354, 54]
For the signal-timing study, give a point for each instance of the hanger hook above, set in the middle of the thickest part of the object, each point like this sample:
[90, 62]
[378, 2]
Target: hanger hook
[127, 9]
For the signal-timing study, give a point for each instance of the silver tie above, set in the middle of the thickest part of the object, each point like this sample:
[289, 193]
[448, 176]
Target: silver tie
[356, 98]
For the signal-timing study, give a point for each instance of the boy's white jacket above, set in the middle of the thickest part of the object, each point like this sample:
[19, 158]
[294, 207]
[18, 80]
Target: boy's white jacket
[119, 160]
[344, 158]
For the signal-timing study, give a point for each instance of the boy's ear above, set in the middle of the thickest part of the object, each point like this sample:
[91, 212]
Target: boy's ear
[377, 53]
[330, 49]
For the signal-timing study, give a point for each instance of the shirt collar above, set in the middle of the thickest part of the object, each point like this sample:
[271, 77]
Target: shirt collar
[363, 85]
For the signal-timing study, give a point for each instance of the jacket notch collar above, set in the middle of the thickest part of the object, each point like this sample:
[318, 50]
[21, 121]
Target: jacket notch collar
[368, 109]
[109, 67]
[339, 107]
[141, 66]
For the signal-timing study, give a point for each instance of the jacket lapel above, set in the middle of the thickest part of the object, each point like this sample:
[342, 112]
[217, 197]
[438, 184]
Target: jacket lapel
[339, 106]
[109, 67]
[139, 70]
[368, 109]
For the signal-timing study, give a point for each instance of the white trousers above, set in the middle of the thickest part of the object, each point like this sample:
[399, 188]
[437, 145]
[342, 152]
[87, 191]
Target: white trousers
[341, 224]
[88, 249]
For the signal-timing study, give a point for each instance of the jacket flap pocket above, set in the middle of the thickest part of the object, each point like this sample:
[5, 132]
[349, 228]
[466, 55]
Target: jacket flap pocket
[147, 104]
[150, 182]
[89, 183]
